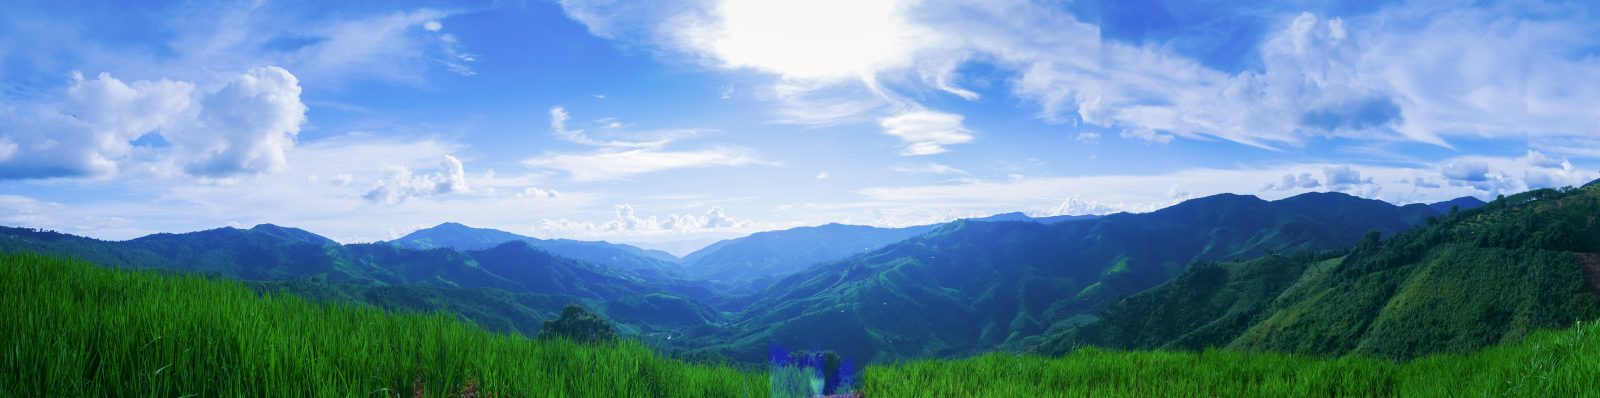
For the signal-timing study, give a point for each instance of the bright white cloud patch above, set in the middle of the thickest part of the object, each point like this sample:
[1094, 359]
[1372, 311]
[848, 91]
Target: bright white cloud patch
[619, 159]
[398, 183]
[1422, 72]
[619, 164]
[821, 39]
[1295, 181]
[538, 193]
[926, 132]
[244, 127]
[626, 221]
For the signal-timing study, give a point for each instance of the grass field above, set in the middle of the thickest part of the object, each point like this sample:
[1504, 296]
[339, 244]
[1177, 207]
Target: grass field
[1548, 364]
[74, 329]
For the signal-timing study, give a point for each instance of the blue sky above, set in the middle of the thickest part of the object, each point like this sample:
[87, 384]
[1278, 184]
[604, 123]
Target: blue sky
[671, 124]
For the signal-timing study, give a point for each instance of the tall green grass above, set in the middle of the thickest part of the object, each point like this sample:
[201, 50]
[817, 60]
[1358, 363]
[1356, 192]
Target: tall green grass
[73, 329]
[1549, 364]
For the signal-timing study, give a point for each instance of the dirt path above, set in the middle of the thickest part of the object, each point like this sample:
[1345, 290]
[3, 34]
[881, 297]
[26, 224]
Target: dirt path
[1590, 263]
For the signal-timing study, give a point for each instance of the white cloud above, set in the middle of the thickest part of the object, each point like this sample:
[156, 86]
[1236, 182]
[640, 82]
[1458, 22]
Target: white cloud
[926, 132]
[612, 164]
[929, 168]
[910, 204]
[398, 183]
[1295, 181]
[1540, 160]
[1420, 71]
[432, 26]
[1470, 170]
[618, 159]
[243, 127]
[558, 126]
[1075, 206]
[7, 149]
[822, 175]
[1146, 135]
[626, 221]
[1088, 137]
[822, 39]
[538, 193]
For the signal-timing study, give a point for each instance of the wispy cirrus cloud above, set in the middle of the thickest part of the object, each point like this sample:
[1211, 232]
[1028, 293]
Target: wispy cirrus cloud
[1419, 72]
[620, 159]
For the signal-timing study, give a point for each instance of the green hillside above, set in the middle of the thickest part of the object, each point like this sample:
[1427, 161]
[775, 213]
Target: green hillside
[510, 287]
[761, 258]
[970, 287]
[74, 329]
[1466, 281]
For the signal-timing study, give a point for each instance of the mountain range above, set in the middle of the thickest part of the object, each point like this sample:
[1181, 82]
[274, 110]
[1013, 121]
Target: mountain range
[969, 286]
[1464, 281]
[1009, 281]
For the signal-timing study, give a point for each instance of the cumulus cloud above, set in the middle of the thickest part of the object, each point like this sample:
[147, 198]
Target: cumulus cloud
[926, 132]
[1348, 179]
[1088, 137]
[1295, 181]
[539, 193]
[1076, 206]
[1540, 160]
[1468, 170]
[626, 221]
[398, 183]
[244, 127]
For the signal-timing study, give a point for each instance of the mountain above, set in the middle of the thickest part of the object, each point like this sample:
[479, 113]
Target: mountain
[464, 238]
[1469, 280]
[762, 257]
[292, 234]
[1461, 203]
[402, 278]
[969, 286]
[1019, 216]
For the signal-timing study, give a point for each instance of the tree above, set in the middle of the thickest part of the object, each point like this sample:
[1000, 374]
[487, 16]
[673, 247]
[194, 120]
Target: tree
[578, 324]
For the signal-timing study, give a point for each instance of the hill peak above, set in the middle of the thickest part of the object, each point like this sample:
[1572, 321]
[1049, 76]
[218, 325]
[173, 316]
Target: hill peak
[291, 234]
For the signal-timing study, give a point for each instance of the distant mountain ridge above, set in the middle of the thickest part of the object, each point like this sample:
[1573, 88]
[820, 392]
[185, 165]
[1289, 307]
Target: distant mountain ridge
[1462, 203]
[762, 257]
[1020, 216]
[532, 280]
[464, 238]
[970, 286]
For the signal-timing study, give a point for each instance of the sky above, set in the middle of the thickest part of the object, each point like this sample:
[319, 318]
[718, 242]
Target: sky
[673, 124]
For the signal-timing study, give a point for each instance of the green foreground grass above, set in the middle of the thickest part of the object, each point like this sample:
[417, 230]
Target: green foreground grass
[1548, 364]
[74, 329]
